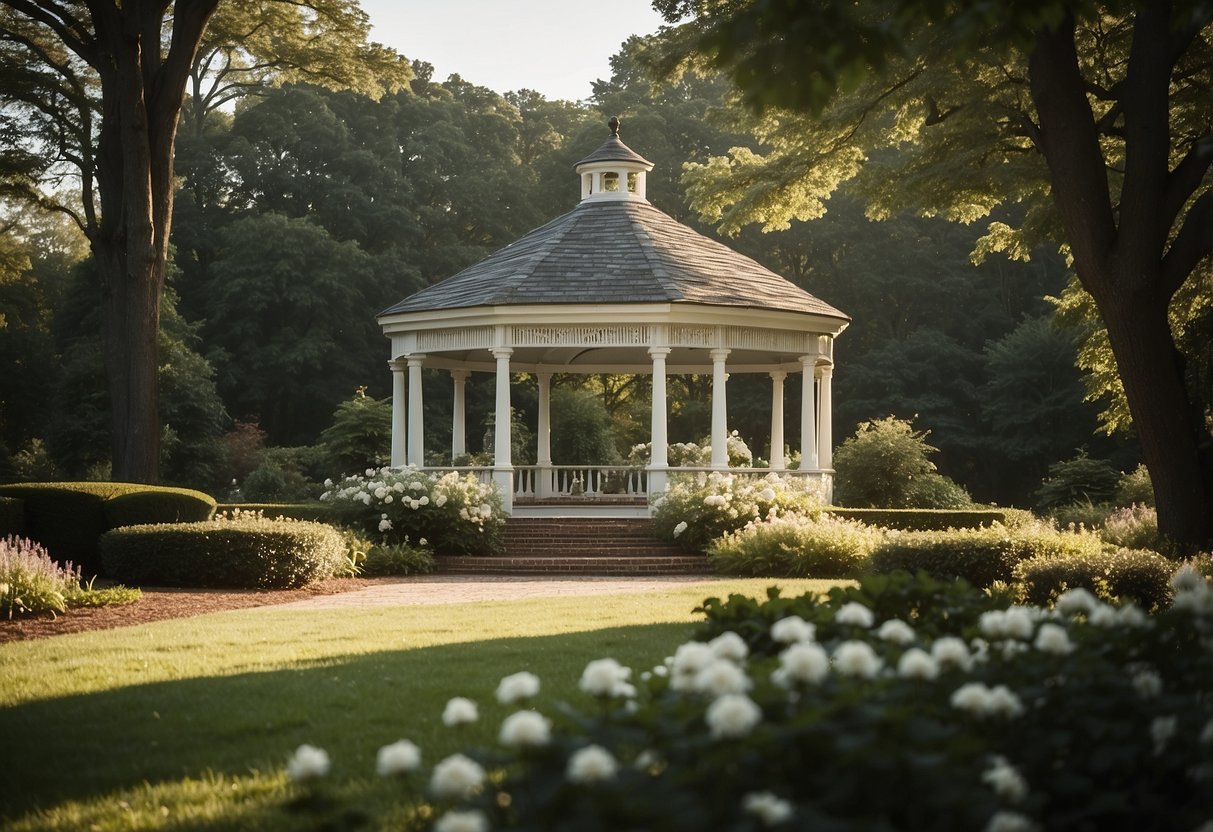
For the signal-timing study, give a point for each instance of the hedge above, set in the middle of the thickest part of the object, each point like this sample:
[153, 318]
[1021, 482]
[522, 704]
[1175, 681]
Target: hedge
[69, 517]
[923, 519]
[246, 553]
[12, 516]
[1136, 574]
[315, 512]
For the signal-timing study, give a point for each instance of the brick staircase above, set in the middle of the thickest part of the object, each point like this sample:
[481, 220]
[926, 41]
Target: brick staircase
[580, 546]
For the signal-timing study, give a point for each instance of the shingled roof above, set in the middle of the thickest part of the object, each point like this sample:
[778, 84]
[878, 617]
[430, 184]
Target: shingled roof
[608, 251]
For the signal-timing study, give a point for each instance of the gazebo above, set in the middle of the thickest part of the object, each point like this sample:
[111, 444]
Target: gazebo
[613, 286]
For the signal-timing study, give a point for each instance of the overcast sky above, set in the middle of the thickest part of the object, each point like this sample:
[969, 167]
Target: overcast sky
[557, 47]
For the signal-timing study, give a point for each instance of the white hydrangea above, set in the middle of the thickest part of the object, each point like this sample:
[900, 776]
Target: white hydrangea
[1197, 600]
[802, 663]
[1053, 638]
[526, 729]
[680, 528]
[721, 677]
[308, 763]
[459, 711]
[1147, 683]
[1009, 822]
[456, 778]
[1005, 780]
[917, 664]
[855, 614]
[728, 645]
[896, 631]
[792, 629]
[460, 821]
[768, 808]
[517, 686]
[857, 658]
[1015, 622]
[732, 716]
[398, 758]
[606, 677]
[983, 701]
[950, 650]
[1187, 578]
[1162, 728]
[591, 764]
[688, 660]
[1077, 600]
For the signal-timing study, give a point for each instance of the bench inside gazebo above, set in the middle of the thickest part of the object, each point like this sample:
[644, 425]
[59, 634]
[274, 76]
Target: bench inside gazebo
[614, 286]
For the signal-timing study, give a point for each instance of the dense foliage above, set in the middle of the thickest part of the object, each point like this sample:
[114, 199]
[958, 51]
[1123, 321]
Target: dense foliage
[32, 583]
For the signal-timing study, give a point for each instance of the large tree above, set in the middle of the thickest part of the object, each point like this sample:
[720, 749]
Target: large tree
[1096, 119]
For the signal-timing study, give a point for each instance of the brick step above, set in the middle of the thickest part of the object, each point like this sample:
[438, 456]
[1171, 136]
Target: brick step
[497, 565]
[601, 551]
[588, 538]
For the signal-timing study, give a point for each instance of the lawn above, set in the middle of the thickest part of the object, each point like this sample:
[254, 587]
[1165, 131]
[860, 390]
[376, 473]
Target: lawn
[187, 724]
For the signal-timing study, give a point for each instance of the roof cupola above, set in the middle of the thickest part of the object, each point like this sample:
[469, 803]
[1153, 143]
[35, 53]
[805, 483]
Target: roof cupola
[614, 171]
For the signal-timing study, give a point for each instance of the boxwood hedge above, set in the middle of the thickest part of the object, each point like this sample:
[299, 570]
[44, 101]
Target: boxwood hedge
[316, 512]
[244, 553]
[1137, 574]
[923, 519]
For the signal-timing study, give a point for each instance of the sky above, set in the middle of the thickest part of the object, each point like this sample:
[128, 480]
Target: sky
[558, 47]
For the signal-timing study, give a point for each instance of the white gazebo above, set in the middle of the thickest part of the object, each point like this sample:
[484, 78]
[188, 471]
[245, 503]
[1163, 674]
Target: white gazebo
[613, 286]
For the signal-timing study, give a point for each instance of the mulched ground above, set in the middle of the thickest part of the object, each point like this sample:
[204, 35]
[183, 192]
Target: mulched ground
[159, 604]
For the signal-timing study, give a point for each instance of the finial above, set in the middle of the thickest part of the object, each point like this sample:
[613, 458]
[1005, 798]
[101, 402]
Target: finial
[614, 125]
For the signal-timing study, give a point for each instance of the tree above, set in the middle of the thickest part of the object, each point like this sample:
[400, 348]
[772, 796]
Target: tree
[1096, 118]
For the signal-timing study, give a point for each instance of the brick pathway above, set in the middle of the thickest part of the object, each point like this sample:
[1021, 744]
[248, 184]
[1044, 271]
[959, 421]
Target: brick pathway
[461, 589]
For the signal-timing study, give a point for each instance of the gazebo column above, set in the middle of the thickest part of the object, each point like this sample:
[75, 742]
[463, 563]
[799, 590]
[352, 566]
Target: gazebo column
[543, 437]
[720, 426]
[659, 461]
[399, 413]
[808, 422]
[777, 462]
[416, 404]
[503, 465]
[458, 414]
[825, 438]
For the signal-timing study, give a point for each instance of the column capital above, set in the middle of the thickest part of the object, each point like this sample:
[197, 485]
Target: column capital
[461, 375]
[720, 353]
[398, 365]
[417, 359]
[659, 352]
[807, 361]
[502, 352]
[544, 375]
[825, 369]
[778, 375]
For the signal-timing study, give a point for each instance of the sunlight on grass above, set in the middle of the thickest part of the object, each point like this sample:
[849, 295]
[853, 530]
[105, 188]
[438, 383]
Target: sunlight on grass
[206, 710]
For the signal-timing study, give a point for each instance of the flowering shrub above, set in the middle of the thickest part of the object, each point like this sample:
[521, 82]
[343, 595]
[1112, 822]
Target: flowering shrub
[1133, 527]
[1086, 716]
[795, 546]
[698, 508]
[694, 455]
[32, 583]
[455, 514]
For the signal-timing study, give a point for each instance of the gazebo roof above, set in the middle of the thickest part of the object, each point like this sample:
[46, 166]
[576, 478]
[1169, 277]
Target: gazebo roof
[611, 252]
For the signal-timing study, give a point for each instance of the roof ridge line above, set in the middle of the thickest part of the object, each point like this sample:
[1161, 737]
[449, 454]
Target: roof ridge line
[542, 252]
[649, 249]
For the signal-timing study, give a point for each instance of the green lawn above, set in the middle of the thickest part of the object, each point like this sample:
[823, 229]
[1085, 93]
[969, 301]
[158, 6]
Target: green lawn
[187, 724]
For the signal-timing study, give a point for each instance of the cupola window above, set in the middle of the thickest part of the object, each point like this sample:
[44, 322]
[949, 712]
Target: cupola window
[610, 182]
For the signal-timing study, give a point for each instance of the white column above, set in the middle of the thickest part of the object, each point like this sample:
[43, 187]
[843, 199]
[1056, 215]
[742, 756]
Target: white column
[458, 414]
[720, 426]
[825, 421]
[777, 460]
[808, 424]
[543, 437]
[659, 457]
[399, 414]
[503, 465]
[416, 403]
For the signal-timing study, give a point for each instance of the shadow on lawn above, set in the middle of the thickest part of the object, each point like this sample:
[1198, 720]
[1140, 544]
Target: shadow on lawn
[94, 745]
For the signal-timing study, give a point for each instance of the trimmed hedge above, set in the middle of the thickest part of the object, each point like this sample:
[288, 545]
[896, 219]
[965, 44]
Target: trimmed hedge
[315, 512]
[12, 516]
[239, 554]
[1136, 574]
[69, 517]
[922, 519]
[980, 556]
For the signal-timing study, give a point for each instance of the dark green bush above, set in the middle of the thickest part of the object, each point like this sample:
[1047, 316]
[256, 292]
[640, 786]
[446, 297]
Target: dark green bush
[886, 465]
[398, 559]
[922, 519]
[980, 556]
[1080, 479]
[316, 512]
[158, 505]
[248, 552]
[12, 516]
[1136, 574]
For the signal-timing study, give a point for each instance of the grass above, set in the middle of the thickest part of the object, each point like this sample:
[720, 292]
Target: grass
[187, 724]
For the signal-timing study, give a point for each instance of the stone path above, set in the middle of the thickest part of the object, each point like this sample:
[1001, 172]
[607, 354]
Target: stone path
[462, 589]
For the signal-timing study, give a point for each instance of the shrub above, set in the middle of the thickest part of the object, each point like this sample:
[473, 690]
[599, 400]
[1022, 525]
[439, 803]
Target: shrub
[794, 546]
[12, 515]
[699, 508]
[158, 505]
[32, 583]
[240, 551]
[934, 490]
[360, 435]
[316, 512]
[581, 429]
[1077, 480]
[398, 559]
[923, 519]
[1135, 488]
[1135, 574]
[980, 556]
[1081, 514]
[458, 515]
[695, 455]
[885, 465]
[1134, 527]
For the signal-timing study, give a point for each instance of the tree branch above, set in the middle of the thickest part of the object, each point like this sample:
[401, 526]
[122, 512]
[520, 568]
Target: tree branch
[1193, 243]
[67, 28]
[1186, 177]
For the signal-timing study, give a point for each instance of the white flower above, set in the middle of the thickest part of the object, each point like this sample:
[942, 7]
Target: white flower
[855, 614]
[456, 778]
[896, 631]
[1005, 780]
[1187, 578]
[398, 488]
[1130, 615]
[1078, 600]
[1161, 731]
[425, 501]
[1103, 616]
[423, 542]
[606, 677]
[309, 763]
[380, 493]
[1197, 600]
[440, 500]
[951, 651]
[722, 677]
[680, 528]
[525, 728]
[732, 715]
[459, 711]
[857, 658]
[1009, 822]
[328, 483]
[385, 525]
[591, 764]
[398, 758]
[917, 664]
[1004, 702]
[1053, 638]
[767, 494]
[768, 808]
[729, 645]
[486, 510]
[802, 663]
[982, 701]
[1016, 622]
[1147, 683]
[1206, 734]
[517, 686]
[370, 472]
[456, 821]
[689, 659]
[647, 760]
[792, 629]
